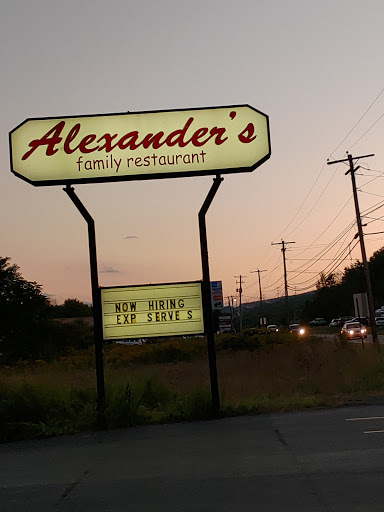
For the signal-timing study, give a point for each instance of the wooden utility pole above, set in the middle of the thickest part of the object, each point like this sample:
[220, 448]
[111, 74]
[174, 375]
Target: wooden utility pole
[368, 285]
[240, 291]
[260, 295]
[283, 249]
[233, 313]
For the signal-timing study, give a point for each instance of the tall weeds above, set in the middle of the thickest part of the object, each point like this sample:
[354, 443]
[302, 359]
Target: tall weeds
[170, 382]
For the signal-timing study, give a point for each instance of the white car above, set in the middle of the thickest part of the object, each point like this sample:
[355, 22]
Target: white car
[352, 330]
[379, 321]
[272, 328]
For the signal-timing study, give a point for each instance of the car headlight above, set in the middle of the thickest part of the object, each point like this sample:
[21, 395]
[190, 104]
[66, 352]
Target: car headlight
[351, 332]
[363, 331]
[301, 331]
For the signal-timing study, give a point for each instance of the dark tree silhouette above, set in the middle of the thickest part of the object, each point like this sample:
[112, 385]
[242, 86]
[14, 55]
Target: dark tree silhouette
[24, 311]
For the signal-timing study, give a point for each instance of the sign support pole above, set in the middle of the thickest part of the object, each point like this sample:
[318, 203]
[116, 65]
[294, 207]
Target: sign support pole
[207, 302]
[96, 301]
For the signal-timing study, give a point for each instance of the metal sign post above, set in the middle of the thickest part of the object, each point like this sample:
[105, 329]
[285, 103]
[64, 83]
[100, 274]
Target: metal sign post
[207, 303]
[96, 301]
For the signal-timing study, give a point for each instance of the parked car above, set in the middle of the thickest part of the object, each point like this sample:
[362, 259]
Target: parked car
[362, 319]
[251, 331]
[353, 330]
[138, 341]
[336, 322]
[346, 319]
[379, 321]
[272, 328]
[317, 322]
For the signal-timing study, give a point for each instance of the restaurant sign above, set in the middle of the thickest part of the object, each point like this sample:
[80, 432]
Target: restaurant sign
[136, 146]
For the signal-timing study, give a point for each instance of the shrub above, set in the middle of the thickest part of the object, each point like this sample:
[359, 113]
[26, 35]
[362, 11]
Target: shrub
[239, 342]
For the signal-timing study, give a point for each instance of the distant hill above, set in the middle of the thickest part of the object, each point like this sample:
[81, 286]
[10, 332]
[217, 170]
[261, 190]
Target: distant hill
[274, 310]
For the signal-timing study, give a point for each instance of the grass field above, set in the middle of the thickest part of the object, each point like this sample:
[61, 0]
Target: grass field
[169, 382]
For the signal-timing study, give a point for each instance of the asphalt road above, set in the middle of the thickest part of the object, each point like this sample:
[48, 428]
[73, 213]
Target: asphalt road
[368, 339]
[329, 460]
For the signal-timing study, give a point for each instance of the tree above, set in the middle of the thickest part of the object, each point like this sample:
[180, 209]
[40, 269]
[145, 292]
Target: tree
[327, 281]
[334, 295]
[72, 308]
[24, 312]
[376, 267]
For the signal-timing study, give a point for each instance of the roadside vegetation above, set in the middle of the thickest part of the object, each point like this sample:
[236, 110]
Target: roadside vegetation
[48, 381]
[169, 381]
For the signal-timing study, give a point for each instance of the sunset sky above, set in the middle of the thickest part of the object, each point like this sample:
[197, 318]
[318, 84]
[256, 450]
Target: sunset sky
[315, 68]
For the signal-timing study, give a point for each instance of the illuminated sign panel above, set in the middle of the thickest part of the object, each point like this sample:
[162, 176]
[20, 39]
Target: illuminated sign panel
[134, 146]
[217, 294]
[152, 310]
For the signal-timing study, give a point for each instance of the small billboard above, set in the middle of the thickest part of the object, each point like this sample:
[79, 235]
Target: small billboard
[360, 301]
[217, 294]
[152, 310]
[225, 323]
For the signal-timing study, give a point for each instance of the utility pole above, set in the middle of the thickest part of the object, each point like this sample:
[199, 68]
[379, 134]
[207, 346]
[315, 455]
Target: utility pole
[283, 249]
[233, 299]
[260, 295]
[240, 290]
[368, 285]
[230, 305]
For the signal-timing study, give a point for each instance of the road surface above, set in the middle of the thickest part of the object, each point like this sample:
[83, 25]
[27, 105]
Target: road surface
[327, 460]
[368, 339]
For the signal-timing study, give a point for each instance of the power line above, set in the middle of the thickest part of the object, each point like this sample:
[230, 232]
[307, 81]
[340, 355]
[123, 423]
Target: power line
[330, 246]
[314, 205]
[369, 129]
[326, 229]
[321, 170]
[328, 269]
[373, 208]
[373, 219]
[302, 204]
[370, 193]
[337, 257]
[349, 133]
[318, 257]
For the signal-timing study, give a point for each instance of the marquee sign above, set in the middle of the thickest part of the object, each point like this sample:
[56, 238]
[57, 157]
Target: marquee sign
[152, 310]
[136, 146]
